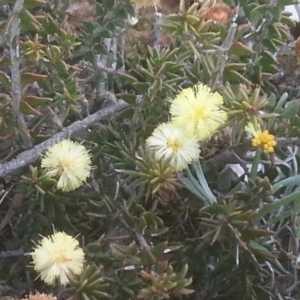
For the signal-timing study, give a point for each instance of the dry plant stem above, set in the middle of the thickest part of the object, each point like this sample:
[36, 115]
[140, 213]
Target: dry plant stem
[101, 66]
[27, 157]
[9, 254]
[223, 55]
[101, 60]
[259, 34]
[156, 33]
[113, 45]
[265, 26]
[121, 46]
[6, 289]
[14, 31]
[293, 141]
[142, 241]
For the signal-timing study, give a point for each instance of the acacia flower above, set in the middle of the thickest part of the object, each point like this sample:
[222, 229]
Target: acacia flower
[169, 142]
[145, 3]
[57, 257]
[196, 110]
[39, 296]
[69, 162]
[261, 139]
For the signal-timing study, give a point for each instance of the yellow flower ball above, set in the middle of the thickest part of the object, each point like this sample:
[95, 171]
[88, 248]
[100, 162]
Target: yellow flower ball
[261, 139]
[69, 162]
[57, 257]
[196, 111]
[170, 143]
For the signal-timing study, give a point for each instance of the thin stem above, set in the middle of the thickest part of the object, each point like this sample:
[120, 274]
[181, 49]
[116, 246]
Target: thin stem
[295, 180]
[255, 163]
[13, 253]
[14, 31]
[27, 157]
[203, 182]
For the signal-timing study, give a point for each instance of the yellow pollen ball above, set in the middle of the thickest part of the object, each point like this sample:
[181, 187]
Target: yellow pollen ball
[265, 141]
[175, 145]
[200, 113]
[64, 167]
[60, 258]
[197, 112]
[170, 143]
[69, 162]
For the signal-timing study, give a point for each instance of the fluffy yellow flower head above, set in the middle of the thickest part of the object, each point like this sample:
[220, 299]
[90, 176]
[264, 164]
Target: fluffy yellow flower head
[169, 142]
[196, 111]
[56, 257]
[69, 162]
[261, 139]
[145, 3]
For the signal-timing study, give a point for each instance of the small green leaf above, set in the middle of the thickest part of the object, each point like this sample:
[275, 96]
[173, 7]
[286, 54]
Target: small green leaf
[49, 25]
[269, 44]
[34, 3]
[29, 3]
[291, 110]
[28, 78]
[89, 26]
[35, 101]
[260, 249]
[121, 13]
[108, 4]
[100, 49]
[4, 62]
[25, 108]
[234, 76]
[128, 77]
[141, 87]
[276, 13]
[99, 9]
[5, 80]
[129, 98]
[29, 21]
[287, 21]
[251, 233]
[104, 34]
[158, 250]
[234, 66]
[62, 67]
[89, 56]
[276, 205]
[240, 49]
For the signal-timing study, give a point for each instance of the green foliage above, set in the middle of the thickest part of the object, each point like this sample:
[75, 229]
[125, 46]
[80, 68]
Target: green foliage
[148, 232]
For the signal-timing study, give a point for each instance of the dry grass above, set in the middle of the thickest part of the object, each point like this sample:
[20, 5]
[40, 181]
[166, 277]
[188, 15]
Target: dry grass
[137, 37]
[78, 12]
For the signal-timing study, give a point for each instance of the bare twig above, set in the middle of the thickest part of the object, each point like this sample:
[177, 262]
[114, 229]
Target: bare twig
[55, 119]
[14, 31]
[30, 156]
[6, 289]
[293, 141]
[13, 253]
[156, 33]
[101, 67]
[258, 34]
[143, 243]
[223, 54]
